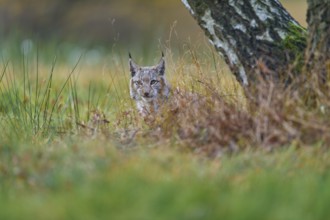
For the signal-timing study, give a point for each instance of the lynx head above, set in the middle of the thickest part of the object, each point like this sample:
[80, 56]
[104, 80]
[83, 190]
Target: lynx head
[148, 83]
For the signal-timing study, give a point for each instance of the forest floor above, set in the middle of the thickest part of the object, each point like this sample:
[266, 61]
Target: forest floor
[73, 147]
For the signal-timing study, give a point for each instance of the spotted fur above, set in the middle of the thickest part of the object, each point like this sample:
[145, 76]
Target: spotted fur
[148, 86]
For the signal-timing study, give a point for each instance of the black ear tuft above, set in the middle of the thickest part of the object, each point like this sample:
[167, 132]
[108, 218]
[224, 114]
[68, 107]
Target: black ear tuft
[161, 66]
[133, 67]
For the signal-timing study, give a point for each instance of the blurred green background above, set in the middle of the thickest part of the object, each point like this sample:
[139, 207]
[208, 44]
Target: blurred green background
[124, 22]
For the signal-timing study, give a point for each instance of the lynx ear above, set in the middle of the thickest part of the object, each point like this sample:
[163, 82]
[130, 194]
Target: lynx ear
[133, 67]
[161, 66]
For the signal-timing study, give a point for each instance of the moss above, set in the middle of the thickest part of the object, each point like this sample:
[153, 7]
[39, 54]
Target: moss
[295, 43]
[296, 39]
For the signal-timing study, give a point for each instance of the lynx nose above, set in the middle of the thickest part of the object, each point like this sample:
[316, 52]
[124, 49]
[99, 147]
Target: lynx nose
[146, 94]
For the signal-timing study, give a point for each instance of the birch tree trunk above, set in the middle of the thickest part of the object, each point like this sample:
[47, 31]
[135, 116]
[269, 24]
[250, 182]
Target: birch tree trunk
[318, 51]
[253, 36]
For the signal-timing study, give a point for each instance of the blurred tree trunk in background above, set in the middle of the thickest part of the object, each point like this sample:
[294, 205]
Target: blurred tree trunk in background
[318, 51]
[253, 36]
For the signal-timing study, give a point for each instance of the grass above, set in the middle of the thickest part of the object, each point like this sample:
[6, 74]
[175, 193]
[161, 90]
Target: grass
[162, 184]
[72, 146]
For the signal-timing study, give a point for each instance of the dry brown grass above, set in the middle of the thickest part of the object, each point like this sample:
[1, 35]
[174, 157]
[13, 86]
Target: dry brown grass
[210, 123]
[208, 112]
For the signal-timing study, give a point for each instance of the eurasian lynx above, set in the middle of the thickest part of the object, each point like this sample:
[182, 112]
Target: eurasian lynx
[148, 86]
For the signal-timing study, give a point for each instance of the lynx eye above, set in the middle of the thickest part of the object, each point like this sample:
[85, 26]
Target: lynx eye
[153, 82]
[138, 83]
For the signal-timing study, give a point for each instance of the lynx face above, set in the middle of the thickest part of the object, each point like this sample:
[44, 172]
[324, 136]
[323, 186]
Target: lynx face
[148, 86]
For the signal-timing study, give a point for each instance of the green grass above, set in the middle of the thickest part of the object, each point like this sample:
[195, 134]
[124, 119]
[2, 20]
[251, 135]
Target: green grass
[162, 184]
[58, 161]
